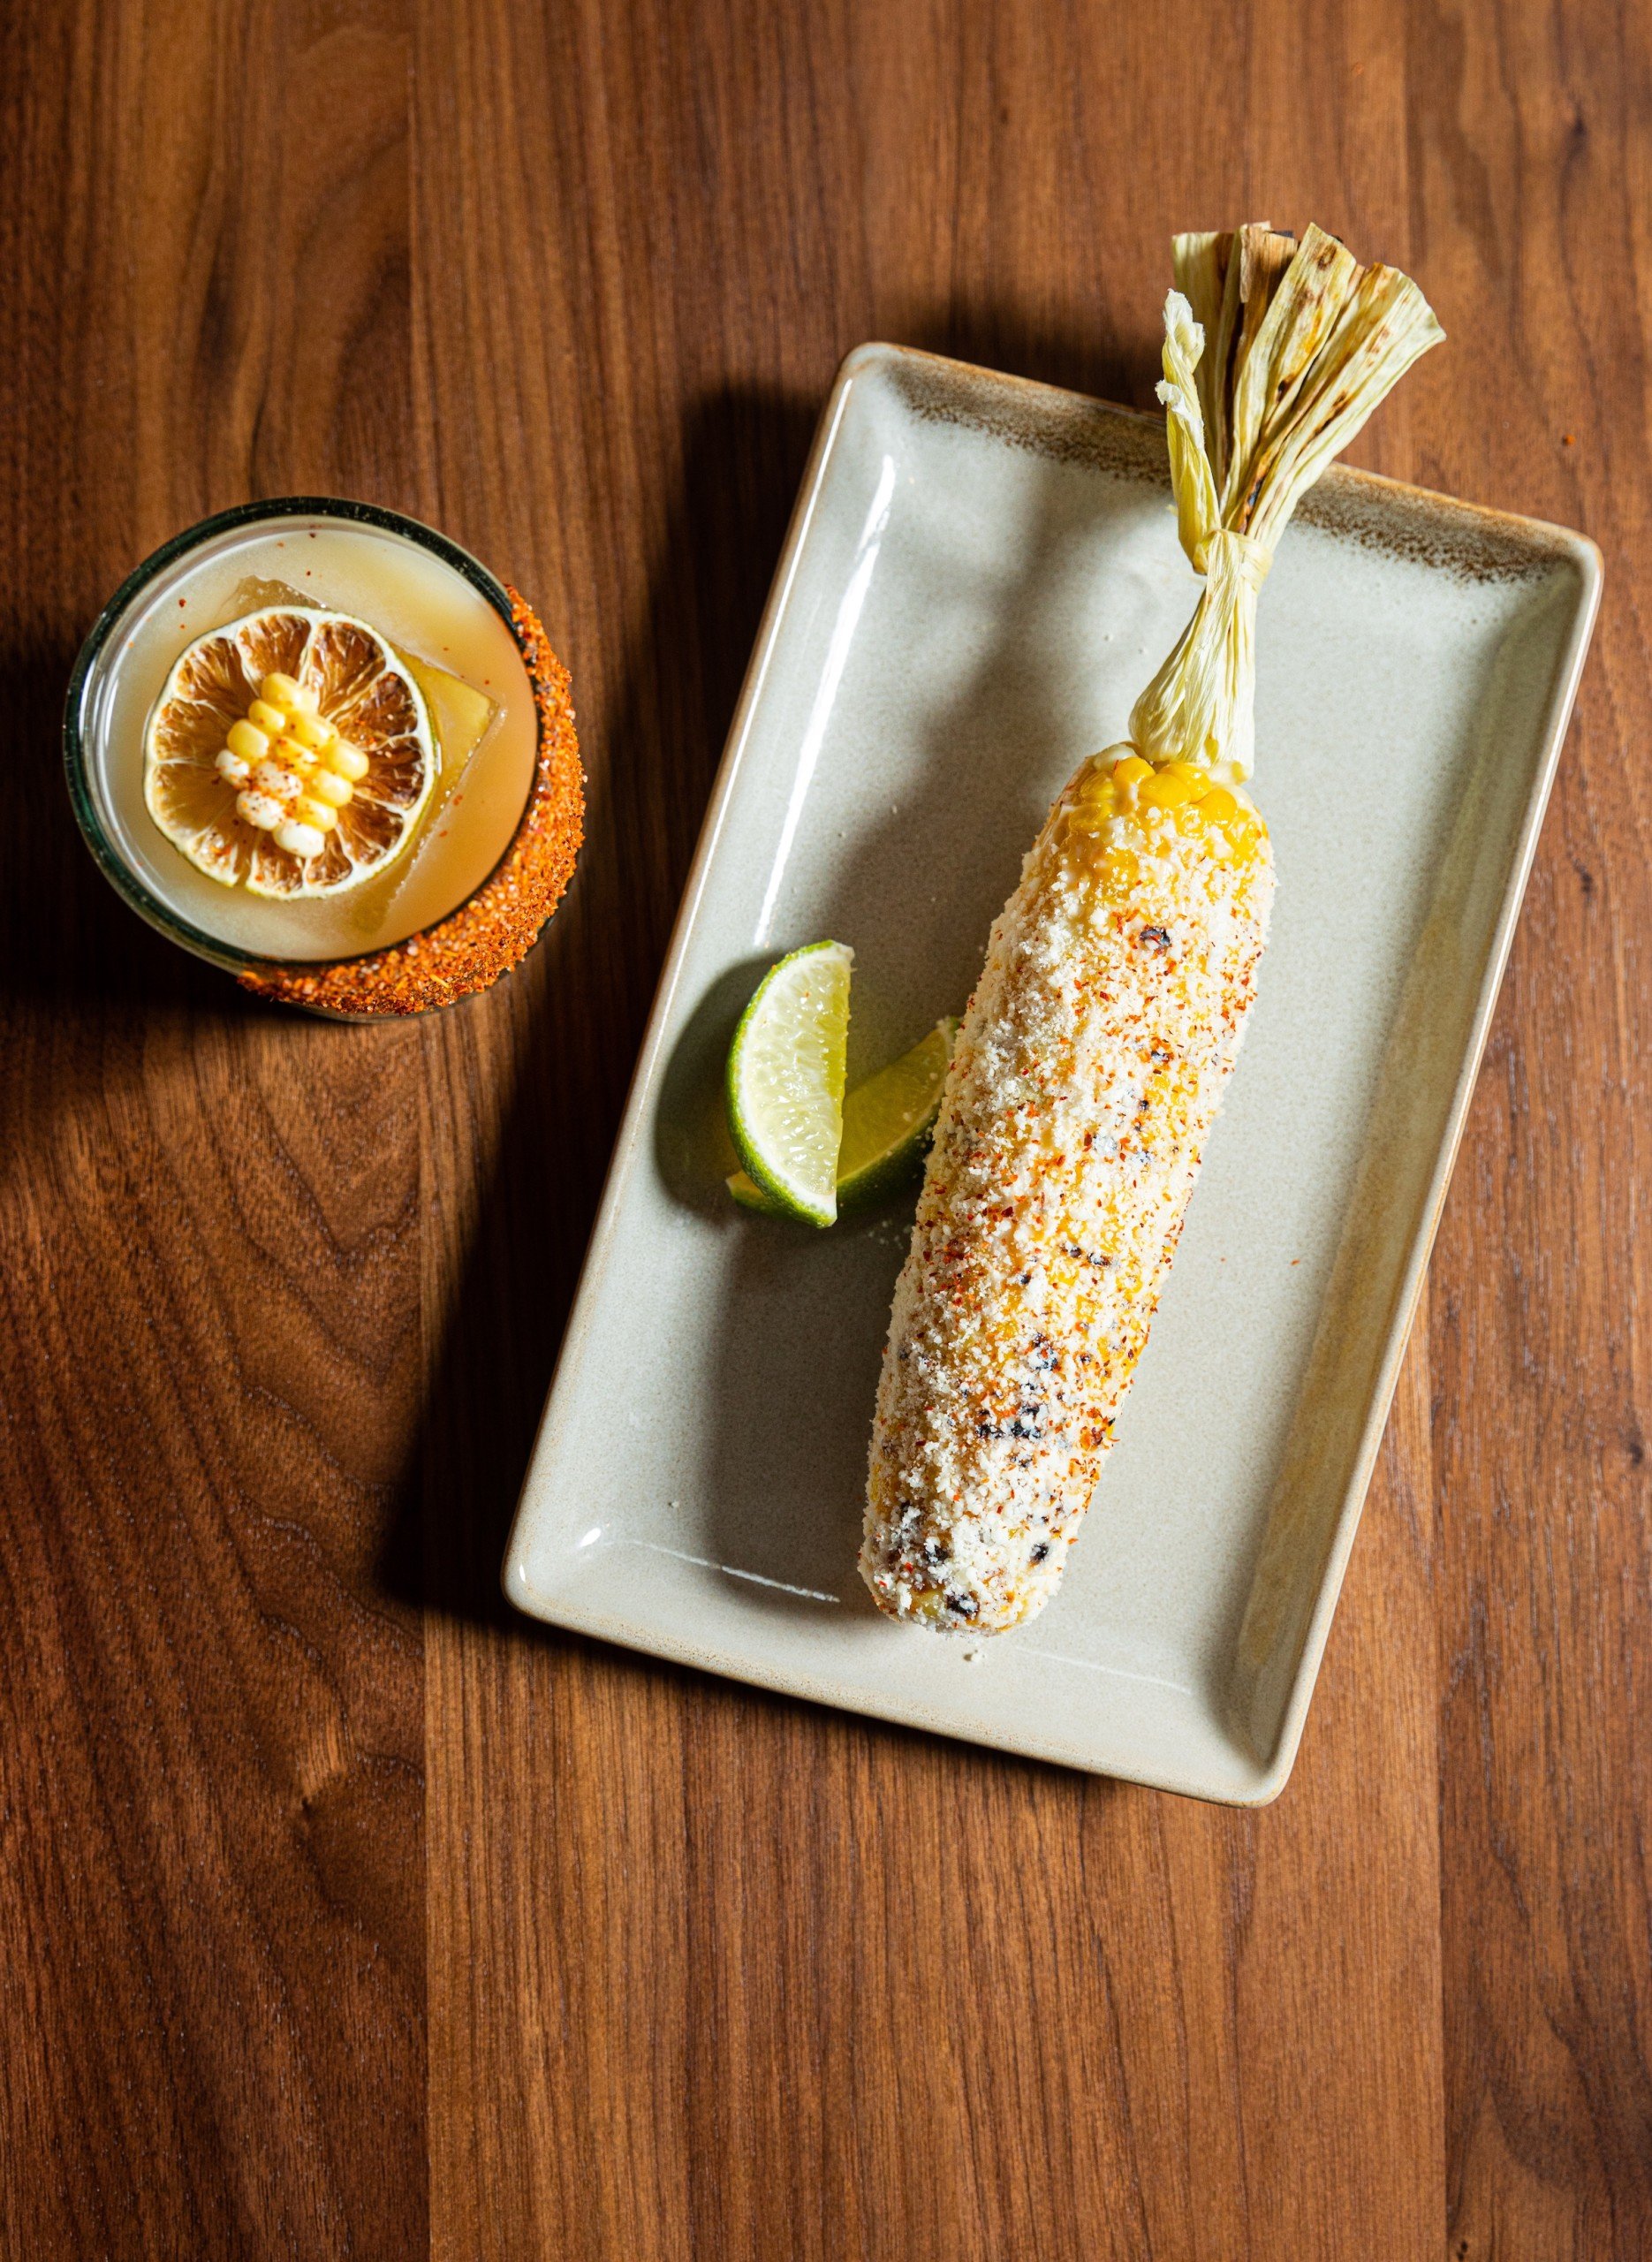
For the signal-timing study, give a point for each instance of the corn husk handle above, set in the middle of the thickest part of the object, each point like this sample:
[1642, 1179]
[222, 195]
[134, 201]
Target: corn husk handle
[1274, 354]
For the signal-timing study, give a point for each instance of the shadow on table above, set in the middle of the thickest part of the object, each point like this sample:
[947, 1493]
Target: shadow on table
[66, 939]
[581, 1004]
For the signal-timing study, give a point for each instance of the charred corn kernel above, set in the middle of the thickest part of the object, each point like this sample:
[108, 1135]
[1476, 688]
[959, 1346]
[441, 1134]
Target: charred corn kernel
[310, 811]
[265, 716]
[1170, 788]
[313, 731]
[274, 777]
[326, 786]
[1085, 1077]
[247, 739]
[231, 767]
[1130, 770]
[347, 761]
[259, 810]
[300, 840]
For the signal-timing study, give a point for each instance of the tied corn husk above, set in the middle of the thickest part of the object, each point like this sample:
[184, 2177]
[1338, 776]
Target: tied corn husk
[1274, 354]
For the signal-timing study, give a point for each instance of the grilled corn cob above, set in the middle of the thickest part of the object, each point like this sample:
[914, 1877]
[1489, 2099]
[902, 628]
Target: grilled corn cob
[1093, 1054]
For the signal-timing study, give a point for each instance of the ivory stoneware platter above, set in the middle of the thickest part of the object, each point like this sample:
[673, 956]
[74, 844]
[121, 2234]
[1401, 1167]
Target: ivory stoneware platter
[980, 576]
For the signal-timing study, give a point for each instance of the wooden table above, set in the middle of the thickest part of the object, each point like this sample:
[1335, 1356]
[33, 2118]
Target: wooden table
[341, 1913]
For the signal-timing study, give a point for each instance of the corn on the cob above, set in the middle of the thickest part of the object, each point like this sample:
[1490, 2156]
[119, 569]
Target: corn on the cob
[1094, 1053]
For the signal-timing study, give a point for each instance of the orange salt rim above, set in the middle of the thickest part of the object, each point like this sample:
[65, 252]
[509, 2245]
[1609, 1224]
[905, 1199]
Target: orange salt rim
[494, 930]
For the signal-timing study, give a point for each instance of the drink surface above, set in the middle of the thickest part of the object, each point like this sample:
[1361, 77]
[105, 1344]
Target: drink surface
[432, 615]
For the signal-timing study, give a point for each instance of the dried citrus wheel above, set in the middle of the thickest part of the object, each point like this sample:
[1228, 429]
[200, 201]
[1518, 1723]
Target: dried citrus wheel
[290, 754]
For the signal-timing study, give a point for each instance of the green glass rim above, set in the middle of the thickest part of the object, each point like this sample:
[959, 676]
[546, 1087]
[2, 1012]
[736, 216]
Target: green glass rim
[113, 866]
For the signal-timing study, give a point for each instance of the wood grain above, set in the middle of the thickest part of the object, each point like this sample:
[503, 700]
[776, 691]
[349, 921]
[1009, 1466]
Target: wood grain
[211, 1937]
[340, 1912]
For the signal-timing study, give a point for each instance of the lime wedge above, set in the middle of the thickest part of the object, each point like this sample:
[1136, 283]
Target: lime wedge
[887, 1121]
[785, 1080]
[886, 1124]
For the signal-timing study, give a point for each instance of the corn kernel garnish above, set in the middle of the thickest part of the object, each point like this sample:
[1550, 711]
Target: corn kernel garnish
[285, 691]
[259, 810]
[297, 771]
[1130, 770]
[347, 761]
[247, 739]
[275, 778]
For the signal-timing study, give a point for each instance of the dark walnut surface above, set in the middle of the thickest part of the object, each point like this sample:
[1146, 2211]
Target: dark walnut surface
[341, 1914]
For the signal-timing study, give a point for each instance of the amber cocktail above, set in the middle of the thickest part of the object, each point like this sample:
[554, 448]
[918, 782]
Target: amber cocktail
[320, 745]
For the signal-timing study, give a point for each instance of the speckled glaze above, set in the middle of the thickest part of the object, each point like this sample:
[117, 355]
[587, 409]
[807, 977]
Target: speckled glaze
[981, 575]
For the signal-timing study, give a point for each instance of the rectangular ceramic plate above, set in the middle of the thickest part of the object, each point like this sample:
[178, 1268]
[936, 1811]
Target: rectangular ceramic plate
[981, 575]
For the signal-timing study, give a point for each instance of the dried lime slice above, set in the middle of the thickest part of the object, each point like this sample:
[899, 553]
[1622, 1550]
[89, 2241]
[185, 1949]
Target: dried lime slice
[289, 753]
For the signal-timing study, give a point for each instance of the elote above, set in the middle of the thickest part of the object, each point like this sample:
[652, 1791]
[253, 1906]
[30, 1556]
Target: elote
[1094, 1051]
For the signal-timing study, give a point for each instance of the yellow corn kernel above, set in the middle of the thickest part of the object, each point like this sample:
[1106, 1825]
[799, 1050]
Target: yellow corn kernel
[1091, 809]
[1130, 770]
[1121, 871]
[1166, 790]
[312, 731]
[1218, 806]
[1198, 780]
[308, 810]
[347, 761]
[264, 715]
[286, 692]
[247, 739]
[326, 786]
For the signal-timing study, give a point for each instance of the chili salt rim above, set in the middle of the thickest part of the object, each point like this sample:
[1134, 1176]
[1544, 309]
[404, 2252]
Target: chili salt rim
[494, 929]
